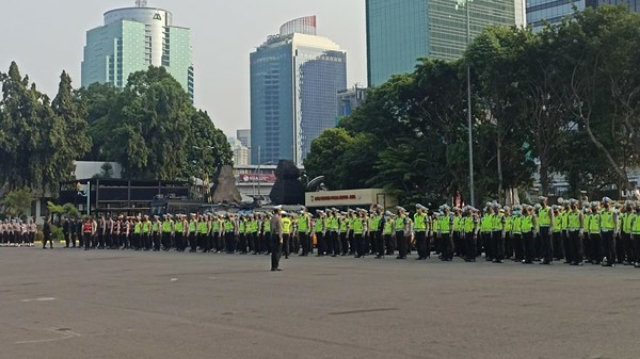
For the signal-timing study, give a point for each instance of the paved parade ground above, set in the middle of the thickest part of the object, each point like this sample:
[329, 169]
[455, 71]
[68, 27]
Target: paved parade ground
[67, 304]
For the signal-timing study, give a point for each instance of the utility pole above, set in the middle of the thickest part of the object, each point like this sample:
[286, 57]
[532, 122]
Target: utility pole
[469, 115]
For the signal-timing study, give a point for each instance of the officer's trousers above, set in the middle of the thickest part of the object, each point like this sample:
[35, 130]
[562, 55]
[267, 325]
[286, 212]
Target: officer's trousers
[276, 252]
[629, 250]
[596, 248]
[344, 243]
[561, 245]
[359, 241]
[402, 242]
[67, 240]
[518, 246]
[486, 245]
[471, 246]
[447, 246]
[230, 241]
[546, 245]
[529, 247]
[335, 243]
[609, 246]
[242, 243]
[267, 242]
[305, 243]
[498, 245]
[352, 246]
[458, 244]
[286, 239]
[86, 238]
[379, 243]
[320, 244]
[388, 241]
[636, 248]
[573, 254]
[421, 245]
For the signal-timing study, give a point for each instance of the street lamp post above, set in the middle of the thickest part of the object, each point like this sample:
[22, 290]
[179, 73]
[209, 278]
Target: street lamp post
[467, 4]
[203, 149]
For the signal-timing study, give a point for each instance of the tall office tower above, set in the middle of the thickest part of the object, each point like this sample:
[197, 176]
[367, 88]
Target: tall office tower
[401, 31]
[244, 136]
[131, 40]
[540, 12]
[295, 77]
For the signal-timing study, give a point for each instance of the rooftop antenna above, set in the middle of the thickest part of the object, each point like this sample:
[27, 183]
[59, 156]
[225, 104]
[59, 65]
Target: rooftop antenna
[141, 3]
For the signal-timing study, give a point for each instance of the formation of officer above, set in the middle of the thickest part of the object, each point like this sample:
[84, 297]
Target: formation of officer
[575, 232]
[17, 232]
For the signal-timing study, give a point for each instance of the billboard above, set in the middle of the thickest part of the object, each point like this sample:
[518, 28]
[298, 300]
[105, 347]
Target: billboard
[255, 178]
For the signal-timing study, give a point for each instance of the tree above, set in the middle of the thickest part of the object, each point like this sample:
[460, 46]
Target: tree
[106, 171]
[17, 202]
[325, 157]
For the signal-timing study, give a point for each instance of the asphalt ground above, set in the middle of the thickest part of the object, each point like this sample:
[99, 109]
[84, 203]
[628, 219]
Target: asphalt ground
[73, 303]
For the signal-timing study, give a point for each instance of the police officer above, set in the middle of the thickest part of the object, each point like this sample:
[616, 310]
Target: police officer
[608, 231]
[445, 230]
[546, 222]
[575, 224]
[277, 238]
[420, 227]
[304, 232]
[287, 224]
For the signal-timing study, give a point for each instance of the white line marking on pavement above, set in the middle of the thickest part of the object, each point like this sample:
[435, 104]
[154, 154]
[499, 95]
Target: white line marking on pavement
[47, 299]
[174, 279]
[68, 334]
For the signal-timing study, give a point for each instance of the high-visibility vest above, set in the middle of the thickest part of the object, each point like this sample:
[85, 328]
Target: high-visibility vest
[145, 227]
[303, 224]
[166, 227]
[344, 226]
[242, 226]
[388, 227]
[419, 220]
[594, 224]
[445, 224]
[635, 224]
[457, 223]
[202, 227]
[319, 225]
[574, 221]
[87, 227]
[137, 228]
[486, 223]
[469, 224]
[215, 226]
[286, 225]
[517, 224]
[607, 220]
[156, 226]
[192, 226]
[508, 224]
[375, 223]
[400, 224]
[267, 226]
[527, 224]
[179, 227]
[497, 223]
[228, 226]
[626, 222]
[358, 227]
[544, 218]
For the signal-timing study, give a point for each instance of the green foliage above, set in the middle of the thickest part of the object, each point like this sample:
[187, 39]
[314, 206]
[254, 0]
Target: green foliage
[17, 202]
[67, 210]
[57, 234]
[567, 97]
[39, 139]
[151, 127]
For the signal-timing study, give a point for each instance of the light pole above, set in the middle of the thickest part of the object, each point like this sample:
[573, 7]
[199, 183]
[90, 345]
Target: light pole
[203, 149]
[467, 4]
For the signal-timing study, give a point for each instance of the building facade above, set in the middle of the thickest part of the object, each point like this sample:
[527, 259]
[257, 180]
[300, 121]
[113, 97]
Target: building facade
[295, 77]
[399, 32]
[350, 99]
[244, 136]
[131, 40]
[240, 152]
[540, 12]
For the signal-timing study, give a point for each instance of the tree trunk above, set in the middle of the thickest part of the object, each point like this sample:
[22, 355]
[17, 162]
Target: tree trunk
[619, 171]
[499, 159]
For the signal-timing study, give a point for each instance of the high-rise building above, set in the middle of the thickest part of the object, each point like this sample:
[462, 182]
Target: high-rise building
[295, 77]
[350, 99]
[131, 40]
[244, 136]
[240, 152]
[399, 32]
[540, 12]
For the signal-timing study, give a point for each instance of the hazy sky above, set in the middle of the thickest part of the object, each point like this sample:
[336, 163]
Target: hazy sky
[45, 37]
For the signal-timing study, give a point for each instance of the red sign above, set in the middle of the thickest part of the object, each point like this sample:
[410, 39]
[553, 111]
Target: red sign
[333, 198]
[255, 178]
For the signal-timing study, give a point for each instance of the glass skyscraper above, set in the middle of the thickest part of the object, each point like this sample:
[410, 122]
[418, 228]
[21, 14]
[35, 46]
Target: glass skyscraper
[552, 11]
[295, 79]
[131, 40]
[399, 32]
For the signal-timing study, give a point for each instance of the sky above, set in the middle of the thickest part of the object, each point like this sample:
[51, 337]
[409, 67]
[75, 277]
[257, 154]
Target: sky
[45, 37]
